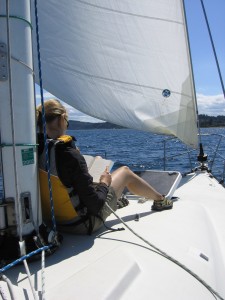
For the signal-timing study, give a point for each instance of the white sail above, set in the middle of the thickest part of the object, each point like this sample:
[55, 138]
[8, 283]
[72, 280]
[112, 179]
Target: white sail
[126, 62]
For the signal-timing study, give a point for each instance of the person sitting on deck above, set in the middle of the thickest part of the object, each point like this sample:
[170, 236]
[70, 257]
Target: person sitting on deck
[67, 163]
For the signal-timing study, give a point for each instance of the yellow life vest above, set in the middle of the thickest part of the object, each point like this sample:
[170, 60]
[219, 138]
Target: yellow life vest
[65, 211]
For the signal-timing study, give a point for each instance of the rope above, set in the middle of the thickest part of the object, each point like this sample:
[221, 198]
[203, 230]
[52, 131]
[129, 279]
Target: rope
[29, 278]
[159, 251]
[43, 273]
[44, 120]
[10, 288]
[19, 260]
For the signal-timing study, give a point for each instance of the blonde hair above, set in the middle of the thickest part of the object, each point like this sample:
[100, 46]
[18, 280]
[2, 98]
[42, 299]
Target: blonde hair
[53, 109]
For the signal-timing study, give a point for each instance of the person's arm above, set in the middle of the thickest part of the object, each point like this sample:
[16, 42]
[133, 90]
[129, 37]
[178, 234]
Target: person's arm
[72, 171]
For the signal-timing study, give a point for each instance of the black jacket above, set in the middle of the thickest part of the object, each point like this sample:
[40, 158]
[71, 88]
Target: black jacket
[73, 172]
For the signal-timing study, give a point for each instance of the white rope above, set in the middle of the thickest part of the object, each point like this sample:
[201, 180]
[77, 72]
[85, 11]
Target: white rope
[10, 289]
[43, 273]
[29, 278]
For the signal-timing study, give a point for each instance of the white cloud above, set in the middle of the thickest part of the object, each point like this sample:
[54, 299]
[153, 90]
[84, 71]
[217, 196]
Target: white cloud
[74, 114]
[211, 105]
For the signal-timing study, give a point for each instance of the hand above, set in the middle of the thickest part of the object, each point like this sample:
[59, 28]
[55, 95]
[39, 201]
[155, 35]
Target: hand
[106, 177]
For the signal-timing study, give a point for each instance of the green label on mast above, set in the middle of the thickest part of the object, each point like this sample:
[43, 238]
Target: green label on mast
[27, 156]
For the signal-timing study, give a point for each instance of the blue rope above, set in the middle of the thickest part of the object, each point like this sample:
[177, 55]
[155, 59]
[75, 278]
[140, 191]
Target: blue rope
[44, 121]
[19, 260]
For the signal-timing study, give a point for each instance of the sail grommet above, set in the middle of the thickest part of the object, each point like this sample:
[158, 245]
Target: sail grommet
[166, 93]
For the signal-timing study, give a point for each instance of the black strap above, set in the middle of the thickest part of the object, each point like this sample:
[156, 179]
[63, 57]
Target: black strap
[107, 227]
[90, 227]
[82, 219]
[50, 145]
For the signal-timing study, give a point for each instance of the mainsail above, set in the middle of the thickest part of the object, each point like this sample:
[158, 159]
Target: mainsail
[126, 62]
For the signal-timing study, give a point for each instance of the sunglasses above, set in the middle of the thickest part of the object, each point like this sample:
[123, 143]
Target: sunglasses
[67, 122]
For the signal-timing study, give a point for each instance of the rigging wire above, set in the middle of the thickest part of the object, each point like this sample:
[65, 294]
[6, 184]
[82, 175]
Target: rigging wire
[214, 49]
[163, 253]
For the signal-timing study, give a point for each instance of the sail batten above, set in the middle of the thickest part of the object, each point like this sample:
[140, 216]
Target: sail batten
[123, 62]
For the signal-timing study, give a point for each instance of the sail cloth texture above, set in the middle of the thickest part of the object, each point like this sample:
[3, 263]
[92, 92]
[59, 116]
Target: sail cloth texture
[126, 62]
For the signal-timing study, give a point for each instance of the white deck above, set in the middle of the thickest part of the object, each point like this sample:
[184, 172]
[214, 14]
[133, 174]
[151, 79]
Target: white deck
[118, 265]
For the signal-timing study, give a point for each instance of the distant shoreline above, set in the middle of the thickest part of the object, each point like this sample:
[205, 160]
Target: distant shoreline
[204, 120]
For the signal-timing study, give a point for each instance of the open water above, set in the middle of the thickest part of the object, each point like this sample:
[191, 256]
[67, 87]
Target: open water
[144, 151]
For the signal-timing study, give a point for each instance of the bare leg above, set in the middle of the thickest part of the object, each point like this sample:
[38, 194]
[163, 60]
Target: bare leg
[124, 177]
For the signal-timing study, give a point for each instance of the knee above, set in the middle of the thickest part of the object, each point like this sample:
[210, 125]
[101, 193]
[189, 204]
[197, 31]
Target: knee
[125, 169]
[127, 174]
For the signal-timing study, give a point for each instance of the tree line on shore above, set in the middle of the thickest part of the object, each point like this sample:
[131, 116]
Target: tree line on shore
[211, 121]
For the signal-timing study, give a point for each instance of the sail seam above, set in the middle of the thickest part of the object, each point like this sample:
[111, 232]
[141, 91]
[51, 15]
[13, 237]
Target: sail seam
[127, 13]
[118, 81]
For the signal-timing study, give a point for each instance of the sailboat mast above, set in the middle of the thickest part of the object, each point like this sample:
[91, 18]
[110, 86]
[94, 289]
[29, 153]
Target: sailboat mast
[191, 68]
[17, 119]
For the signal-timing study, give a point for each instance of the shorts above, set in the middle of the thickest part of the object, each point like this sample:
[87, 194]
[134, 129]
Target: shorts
[97, 223]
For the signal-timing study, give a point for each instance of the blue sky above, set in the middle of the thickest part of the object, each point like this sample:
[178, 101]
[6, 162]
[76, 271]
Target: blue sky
[208, 88]
[206, 77]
